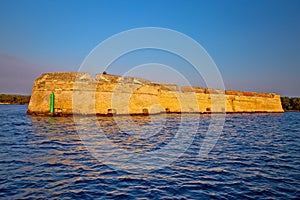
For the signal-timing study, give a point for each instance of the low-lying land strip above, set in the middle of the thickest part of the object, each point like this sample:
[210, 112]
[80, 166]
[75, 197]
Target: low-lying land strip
[290, 103]
[14, 99]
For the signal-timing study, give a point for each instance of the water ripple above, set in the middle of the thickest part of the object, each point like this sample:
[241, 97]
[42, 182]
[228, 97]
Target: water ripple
[256, 157]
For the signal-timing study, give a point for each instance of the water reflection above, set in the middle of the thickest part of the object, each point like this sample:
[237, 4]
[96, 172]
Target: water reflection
[59, 135]
[141, 136]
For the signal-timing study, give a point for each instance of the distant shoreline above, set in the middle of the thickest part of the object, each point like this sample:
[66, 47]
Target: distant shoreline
[4, 103]
[290, 104]
[11, 99]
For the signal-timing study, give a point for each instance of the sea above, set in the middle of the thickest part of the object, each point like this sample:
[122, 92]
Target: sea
[174, 156]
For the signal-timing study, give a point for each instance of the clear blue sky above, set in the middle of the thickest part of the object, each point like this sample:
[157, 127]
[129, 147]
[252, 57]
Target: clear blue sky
[255, 43]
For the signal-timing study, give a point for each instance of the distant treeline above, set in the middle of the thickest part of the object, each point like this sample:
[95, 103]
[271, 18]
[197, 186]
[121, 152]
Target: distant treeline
[292, 104]
[14, 99]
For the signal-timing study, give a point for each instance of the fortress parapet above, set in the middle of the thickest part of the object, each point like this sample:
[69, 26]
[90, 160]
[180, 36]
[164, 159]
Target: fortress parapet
[106, 94]
[192, 89]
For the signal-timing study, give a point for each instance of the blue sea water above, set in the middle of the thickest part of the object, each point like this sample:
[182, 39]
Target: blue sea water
[257, 156]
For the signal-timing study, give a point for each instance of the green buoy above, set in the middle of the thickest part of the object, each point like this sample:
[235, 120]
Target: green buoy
[52, 102]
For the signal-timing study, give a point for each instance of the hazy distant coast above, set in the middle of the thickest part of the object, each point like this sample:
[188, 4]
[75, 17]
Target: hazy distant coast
[290, 104]
[14, 99]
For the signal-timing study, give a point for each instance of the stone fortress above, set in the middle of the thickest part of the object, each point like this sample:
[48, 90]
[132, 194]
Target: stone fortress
[79, 93]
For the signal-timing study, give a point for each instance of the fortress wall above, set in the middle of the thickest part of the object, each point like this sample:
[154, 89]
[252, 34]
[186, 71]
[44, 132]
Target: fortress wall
[122, 95]
[127, 98]
[84, 103]
[169, 100]
[48, 83]
[218, 102]
[204, 102]
[188, 102]
[103, 102]
[39, 102]
[144, 103]
[253, 104]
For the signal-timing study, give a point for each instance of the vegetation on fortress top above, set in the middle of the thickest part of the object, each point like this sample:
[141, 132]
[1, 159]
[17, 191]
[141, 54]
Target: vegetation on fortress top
[14, 99]
[289, 104]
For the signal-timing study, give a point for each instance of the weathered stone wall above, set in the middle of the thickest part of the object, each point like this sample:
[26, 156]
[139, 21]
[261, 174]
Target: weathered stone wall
[110, 94]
